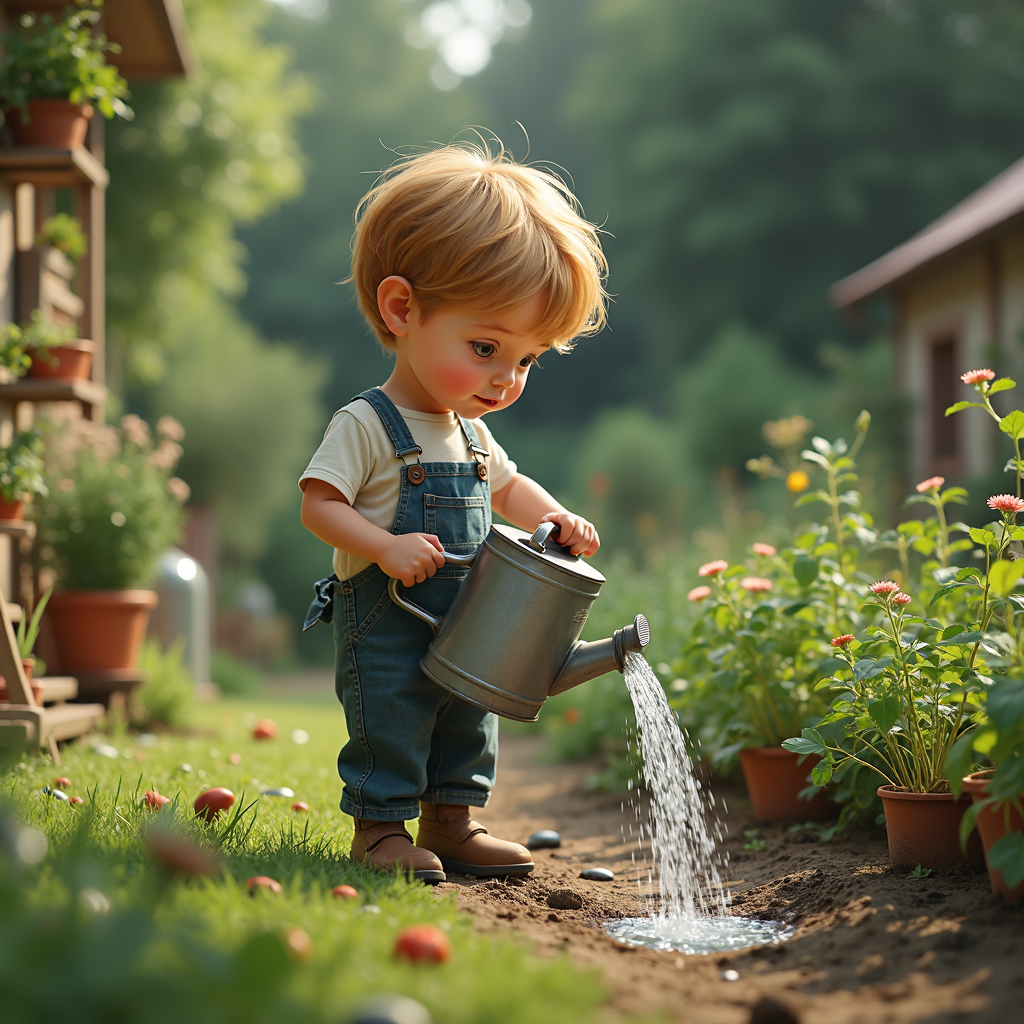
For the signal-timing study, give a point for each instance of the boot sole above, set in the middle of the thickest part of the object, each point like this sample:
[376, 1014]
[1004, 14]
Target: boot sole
[486, 870]
[429, 876]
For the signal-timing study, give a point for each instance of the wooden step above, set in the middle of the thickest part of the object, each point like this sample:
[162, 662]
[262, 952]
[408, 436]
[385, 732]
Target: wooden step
[66, 721]
[57, 689]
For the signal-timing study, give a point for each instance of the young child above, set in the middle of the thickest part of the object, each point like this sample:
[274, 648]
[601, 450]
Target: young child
[468, 267]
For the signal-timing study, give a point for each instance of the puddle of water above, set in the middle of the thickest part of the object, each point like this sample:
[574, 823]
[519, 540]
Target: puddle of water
[699, 935]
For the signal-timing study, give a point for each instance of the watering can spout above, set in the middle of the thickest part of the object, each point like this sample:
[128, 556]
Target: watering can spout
[589, 660]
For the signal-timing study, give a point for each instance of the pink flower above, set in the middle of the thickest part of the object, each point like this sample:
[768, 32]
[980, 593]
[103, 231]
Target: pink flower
[166, 456]
[713, 568]
[901, 598]
[1006, 503]
[756, 584]
[179, 490]
[932, 482]
[976, 376]
[698, 594]
[884, 588]
[135, 430]
[766, 550]
[169, 427]
[842, 641]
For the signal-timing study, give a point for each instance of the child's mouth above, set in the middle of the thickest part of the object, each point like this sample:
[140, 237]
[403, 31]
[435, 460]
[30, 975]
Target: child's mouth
[491, 402]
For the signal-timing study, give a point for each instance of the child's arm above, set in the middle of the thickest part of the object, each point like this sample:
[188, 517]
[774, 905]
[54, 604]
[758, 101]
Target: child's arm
[409, 557]
[524, 503]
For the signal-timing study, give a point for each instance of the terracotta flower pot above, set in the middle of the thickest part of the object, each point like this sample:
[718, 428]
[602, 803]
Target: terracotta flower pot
[993, 824]
[97, 630]
[59, 123]
[28, 664]
[70, 361]
[12, 511]
[774, 779]
[924, 828]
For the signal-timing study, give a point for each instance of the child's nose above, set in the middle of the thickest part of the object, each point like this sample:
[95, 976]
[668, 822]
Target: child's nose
[504, 377]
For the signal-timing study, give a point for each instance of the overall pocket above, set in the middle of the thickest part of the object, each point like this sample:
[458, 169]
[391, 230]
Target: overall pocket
[459, 523]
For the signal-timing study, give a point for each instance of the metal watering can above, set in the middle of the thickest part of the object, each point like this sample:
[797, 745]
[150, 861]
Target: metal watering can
[511, 637]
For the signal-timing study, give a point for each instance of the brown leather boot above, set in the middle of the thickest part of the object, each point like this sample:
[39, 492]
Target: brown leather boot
[387, 844]
[464, 845]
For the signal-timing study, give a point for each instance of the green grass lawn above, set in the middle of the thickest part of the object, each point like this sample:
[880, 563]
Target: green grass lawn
[174, 947]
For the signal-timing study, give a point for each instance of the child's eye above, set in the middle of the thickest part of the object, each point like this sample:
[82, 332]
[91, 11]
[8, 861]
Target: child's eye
[484, 349]
[529, 361]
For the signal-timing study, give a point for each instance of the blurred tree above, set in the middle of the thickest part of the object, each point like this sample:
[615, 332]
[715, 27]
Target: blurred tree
[203, 155]
[753, 151]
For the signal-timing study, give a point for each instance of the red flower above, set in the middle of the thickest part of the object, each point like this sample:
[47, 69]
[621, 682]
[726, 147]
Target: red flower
[698, 594]
[932, 482]
[765, 550]
[713, 568]
[842, 641]
[1006, 503]
[756, 584]
[976, 376]
[884, 588]
[902, 598]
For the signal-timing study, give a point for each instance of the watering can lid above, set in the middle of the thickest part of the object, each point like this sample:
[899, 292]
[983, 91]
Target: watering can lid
[541, 547]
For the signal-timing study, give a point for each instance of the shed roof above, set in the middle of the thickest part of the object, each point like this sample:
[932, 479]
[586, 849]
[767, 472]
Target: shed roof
[981, 214]
[152, 34]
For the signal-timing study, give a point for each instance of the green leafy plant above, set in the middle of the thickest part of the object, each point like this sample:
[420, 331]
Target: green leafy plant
[165, 696]
[61, 59]
[754, 840]
[919, 872]
[65, 233]
[19, 345]
[21, 468]
[28, 628]
[114, 506]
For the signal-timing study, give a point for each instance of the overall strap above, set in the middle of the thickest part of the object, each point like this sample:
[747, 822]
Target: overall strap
[396, 427]
[473, 440]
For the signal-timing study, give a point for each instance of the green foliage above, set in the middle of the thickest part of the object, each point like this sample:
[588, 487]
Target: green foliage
[18, 345]
[21, 467]
[28, 628]
[751, 152]
[176, 948]
[256, 407]
[168, 691]
[63, 232]
[113, 506]
[65, 59]
[235, 678]
[203, 155]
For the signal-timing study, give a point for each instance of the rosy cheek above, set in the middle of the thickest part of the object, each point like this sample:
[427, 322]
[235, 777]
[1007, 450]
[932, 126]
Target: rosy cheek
[458, 378]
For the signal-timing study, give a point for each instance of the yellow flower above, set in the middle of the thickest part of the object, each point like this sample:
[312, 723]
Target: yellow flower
[798, 481]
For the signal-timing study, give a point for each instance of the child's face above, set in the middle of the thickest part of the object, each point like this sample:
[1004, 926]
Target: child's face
[472, 362]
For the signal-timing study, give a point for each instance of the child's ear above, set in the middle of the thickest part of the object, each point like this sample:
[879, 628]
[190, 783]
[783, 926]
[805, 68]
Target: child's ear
[394, 300]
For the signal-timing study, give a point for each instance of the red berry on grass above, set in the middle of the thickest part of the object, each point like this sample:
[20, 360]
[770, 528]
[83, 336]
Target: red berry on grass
[210, 803]
[344, 892]
[265, 729]
[298, 943]
[263, 882]
[75, 800]
[300, 805]
[62, 782]
[423, 943]
[155, 799]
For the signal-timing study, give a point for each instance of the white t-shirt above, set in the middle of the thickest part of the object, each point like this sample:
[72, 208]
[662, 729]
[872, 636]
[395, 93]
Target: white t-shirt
[357, 457]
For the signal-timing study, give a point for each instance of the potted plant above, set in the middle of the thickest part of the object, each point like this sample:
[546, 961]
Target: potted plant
[21, 474]
[47, 348]
[113, 508]
[53, 73]
[28, 633]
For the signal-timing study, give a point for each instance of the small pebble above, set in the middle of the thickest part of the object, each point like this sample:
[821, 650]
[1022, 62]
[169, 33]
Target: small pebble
[148, 739]
[278, 791]
[235, 758]
[543, 840]
[369, 908]
[391, 1010]
[730, 975]
[105, 750]
[185, 767]
[597, 875]
[300, 737]
[94, 900]
[58, 794]
[565, 899]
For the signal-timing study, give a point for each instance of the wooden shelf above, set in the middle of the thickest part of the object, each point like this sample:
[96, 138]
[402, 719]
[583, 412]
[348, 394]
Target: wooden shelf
[32, 389]
[47, 165]
[17, 528]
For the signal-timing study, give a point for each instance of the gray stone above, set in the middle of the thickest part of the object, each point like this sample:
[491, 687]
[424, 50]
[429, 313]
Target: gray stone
[391, 1010]
[544, 840]
[730, 975]
[597, 875]
[278, 791]
[565, 899]
[58, 794]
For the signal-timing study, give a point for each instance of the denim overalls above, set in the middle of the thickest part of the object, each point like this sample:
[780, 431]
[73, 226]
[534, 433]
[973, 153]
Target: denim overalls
[409, 739]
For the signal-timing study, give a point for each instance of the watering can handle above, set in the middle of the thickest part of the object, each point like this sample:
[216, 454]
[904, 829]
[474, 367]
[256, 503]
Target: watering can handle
[433, 621]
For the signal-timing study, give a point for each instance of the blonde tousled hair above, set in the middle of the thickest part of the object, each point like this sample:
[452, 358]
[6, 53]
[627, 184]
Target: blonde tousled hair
[469, 227]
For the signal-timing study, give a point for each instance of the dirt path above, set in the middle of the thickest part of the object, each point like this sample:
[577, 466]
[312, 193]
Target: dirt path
[869, 943]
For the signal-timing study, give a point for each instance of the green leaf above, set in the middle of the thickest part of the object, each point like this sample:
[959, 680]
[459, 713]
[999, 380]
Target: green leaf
[821, 773]
[808, 742]
[805, 570]
[960, 406]
[1007, 856]
[1003, 576]
[812, 496]
[884, 713]
[983, 536]
[869, 668]
[1013, 424]
[1003, 384]
[1005, 704]
[961, 639]
[958, 761]
[969, 821]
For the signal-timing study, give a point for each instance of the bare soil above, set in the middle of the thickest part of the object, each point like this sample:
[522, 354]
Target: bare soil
[870, 943]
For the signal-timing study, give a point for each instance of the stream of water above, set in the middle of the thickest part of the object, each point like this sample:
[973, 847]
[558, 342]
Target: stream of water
[688, 912]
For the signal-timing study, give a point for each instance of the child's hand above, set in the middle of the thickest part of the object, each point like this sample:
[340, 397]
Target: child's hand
[412, 557]
[576, 534]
